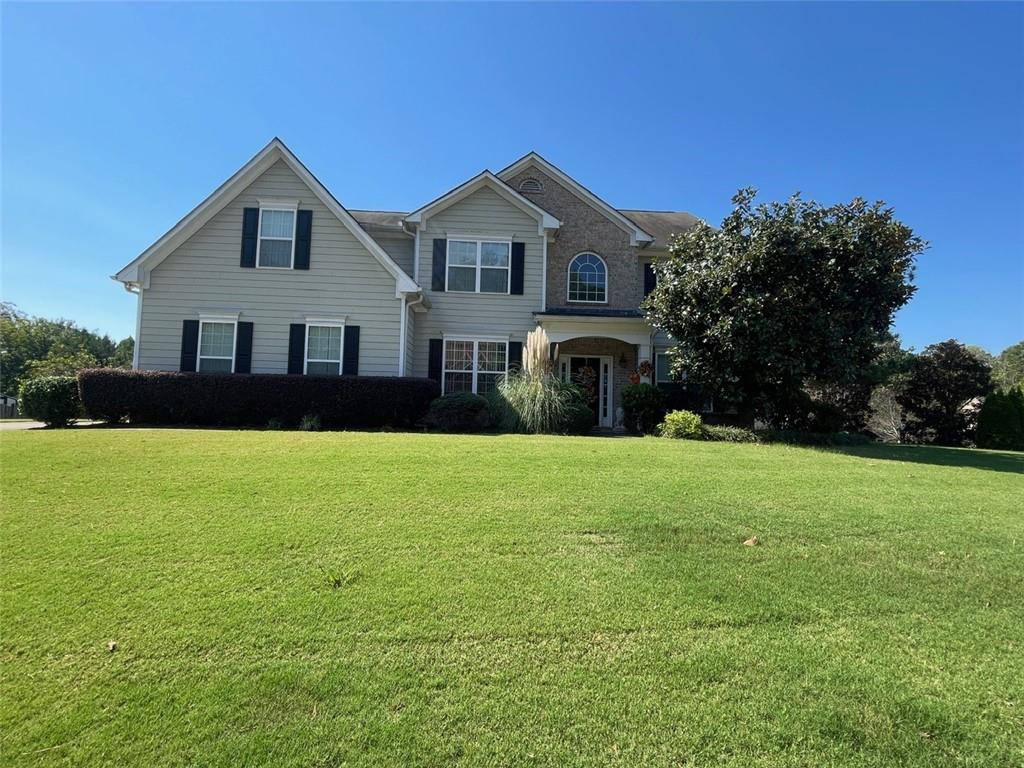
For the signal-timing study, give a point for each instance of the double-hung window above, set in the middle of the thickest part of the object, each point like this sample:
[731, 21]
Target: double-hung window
[478, 266]
[323, 349]
[276, 238]
[663, 369]
[472, 365]
[216, 346]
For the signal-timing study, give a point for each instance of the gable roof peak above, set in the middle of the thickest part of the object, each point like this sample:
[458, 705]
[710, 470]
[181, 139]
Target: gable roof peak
[637, 235]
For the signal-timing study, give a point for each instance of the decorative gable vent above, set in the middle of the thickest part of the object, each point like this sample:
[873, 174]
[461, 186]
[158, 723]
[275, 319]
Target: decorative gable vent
[530, 185]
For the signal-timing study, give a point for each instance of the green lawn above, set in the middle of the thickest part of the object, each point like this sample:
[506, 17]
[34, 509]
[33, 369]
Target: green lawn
[506, 601]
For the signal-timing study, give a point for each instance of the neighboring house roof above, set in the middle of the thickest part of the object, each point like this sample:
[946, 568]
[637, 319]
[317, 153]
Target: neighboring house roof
[485, 179]
[662, 224]
[136, 271]
[637, 234]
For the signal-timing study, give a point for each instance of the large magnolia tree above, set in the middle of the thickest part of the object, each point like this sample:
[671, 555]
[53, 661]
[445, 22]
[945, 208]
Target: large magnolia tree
[784, 298]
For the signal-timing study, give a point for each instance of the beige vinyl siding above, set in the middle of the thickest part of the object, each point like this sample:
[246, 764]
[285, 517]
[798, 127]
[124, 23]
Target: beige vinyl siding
[398, 247]
[480, 215]
[410, 338]
[203, 275]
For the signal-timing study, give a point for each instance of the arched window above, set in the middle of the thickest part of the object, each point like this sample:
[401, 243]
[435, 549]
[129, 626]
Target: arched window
[588, 278]
[530, 185]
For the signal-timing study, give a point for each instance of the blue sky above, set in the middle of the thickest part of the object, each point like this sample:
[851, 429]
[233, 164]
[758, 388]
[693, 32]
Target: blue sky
[117, 119]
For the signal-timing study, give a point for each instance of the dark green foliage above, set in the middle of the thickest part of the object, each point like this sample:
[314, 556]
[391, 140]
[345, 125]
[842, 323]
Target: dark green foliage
[783, 296]
[799, 437]
[938, 393]
[459, 412]
[157, 397]
[1001, 420]
[51, 399]
[34, 346]
[580, 419]
[644, 407]
[724, 434]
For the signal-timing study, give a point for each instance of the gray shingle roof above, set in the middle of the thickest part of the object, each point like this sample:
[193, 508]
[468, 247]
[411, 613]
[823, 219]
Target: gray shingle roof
[661, 224]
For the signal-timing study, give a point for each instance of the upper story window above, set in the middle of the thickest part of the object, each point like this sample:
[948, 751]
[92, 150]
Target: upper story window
[530, 185]
[323, 349]
[276, 248]
[216, 347]
[473, 365]
[480, 266]
[588, 279]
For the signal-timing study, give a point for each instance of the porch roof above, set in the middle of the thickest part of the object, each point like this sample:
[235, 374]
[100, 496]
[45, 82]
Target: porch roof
[589, 312]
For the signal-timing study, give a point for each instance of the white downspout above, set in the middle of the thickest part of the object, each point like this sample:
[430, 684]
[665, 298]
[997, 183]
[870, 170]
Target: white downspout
[403, 324]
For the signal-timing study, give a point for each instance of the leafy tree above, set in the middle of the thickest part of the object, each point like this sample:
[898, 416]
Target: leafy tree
[124, 352]
[783, 297]
[1008, 369]
[938, 393]
[1001, 420]
[33, 346]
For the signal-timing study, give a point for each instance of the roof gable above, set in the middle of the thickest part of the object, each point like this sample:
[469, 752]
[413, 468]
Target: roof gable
[485, 179]
[137, 270]
[636, 234]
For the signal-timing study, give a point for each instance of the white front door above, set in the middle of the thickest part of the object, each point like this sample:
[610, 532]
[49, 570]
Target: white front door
[594, 374]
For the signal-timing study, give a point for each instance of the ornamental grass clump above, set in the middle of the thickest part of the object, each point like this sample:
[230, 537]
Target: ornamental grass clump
[535, 400]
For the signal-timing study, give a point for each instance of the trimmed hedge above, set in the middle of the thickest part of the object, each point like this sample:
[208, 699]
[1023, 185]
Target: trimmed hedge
[459, 412]
[50, 399]
[236, 400]
[726, 434]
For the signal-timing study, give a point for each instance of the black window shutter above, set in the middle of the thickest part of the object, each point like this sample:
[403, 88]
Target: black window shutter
[303, 238]
[515, 355]
[296, 348]
[440, 264]
[250, 230]
[518, 268]
[243, 348]
[350, 357]
[650, 279]
[436, 359]
[189, 344]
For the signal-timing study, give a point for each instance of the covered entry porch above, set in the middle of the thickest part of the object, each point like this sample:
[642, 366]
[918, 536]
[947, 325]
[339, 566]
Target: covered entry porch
[600, 354]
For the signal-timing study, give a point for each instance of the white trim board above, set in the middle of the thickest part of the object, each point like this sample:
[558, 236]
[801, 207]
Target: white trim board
[545, 221]
[637, 236]
[137, 270]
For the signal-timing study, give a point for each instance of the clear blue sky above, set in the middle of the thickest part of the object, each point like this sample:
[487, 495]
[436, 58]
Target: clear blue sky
[118, 119]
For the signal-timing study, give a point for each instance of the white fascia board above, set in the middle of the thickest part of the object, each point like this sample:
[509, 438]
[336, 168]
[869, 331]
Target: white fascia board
[545, 221]
[226, 192]
[637, 236]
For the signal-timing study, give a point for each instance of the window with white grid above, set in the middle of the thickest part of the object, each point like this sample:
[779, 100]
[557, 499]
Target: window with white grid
[216, 347]
[276, 238]
[473, 365]
[478, 266]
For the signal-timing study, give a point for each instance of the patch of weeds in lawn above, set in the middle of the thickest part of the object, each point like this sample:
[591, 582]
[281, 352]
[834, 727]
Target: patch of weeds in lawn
[339, 576]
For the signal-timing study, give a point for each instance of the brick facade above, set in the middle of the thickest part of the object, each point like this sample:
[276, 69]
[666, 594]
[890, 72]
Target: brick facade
[584, 228]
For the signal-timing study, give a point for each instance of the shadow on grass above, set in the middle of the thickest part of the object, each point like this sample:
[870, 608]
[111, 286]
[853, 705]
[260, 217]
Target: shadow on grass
[994, 461]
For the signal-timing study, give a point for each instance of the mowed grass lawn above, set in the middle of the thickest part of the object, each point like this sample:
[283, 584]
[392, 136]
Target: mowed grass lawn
[284, 598]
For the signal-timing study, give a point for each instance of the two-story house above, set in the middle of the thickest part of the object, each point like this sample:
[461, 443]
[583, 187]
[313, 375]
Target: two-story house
[271, 274]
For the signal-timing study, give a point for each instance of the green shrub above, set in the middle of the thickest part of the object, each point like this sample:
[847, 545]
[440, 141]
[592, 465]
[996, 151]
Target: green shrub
[644, 407]
[724, 434]
[680, 425]
[459, 412]
[538, 403]
[51, 399]
[581, 420]
[1001, 421]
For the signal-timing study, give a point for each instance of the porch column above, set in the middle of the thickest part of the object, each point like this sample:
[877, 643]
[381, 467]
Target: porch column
[643, 352]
